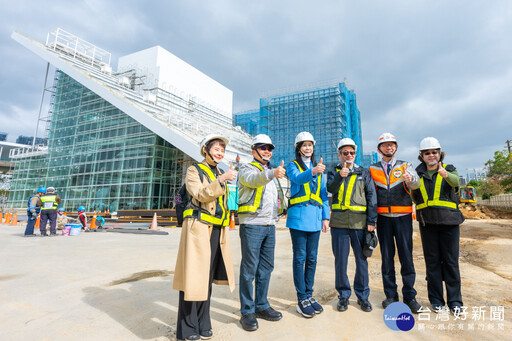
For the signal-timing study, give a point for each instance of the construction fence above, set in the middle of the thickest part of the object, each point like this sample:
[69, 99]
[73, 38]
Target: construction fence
[502, 201]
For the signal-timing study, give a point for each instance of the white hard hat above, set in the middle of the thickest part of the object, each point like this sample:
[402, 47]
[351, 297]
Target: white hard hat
[429, 143]
[304, 136]
[347, 142]
[50, 189]
[386, 137]
[210, 137]
[262, 139]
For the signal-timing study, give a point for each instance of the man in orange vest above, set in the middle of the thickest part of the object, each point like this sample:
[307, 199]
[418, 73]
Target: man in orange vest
[394, 179]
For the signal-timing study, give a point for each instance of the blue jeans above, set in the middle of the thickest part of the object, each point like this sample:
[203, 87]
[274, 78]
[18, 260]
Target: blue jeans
[257, 243]
[29, 230]
[341, 241]
[305, 250]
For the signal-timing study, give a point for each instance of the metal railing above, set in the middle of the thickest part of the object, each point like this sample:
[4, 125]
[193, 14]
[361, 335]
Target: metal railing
[27, 151]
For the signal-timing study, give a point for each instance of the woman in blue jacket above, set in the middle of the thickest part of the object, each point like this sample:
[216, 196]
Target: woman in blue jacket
[308, 213]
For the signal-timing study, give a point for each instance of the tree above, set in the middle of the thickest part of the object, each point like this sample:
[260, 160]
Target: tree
[499, 175]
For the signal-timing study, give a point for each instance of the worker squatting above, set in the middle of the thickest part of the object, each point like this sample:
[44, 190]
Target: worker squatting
[366, 204]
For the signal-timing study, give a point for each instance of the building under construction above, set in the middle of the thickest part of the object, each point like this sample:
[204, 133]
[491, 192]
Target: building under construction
[328, 112]
[120, 139]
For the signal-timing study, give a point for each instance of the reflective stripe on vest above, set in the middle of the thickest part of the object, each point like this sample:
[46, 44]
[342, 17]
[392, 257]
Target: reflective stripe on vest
[48, 202]
[313, 198]
[346, 204]
[436, 198]
[382, 184]
[256, 202]
[394, 209]
[206, 217]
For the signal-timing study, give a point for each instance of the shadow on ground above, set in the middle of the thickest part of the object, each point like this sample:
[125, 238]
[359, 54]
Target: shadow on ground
[146, 305]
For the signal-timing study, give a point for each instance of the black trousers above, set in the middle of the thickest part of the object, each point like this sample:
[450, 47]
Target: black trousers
[441, 252]
[399, 230]
[46, 215]
[194, 316]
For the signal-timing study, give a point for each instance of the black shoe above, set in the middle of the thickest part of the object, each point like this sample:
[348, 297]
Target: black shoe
[342, 304]
[194, 337]
[365, 305]
[437, 307]
[43, 235]
[206, 335]
[388, 301]
[269, 314]
[249, 322]
[53, 234]
[414, 305]
[456, 310]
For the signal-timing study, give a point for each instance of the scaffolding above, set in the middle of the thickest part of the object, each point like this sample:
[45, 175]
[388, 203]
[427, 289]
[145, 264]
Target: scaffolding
[329, 113]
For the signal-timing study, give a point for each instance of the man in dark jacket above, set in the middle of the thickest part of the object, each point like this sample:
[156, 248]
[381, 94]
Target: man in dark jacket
[33, 209]
[354, 208]
[50, 203]
[394, 179]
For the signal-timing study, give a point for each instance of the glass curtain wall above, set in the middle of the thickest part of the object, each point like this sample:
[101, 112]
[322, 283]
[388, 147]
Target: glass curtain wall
[100, 157]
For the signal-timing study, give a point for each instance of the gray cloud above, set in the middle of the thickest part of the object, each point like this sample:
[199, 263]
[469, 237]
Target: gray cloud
[419, 68]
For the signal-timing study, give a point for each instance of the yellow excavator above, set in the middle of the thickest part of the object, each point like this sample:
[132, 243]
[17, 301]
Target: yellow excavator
[467, 194]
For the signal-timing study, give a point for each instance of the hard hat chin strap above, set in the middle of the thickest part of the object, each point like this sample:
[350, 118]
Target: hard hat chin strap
[211, 157]
[261, 157]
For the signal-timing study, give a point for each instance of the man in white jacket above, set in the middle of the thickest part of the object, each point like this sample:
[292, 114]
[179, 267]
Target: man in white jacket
[260, 200]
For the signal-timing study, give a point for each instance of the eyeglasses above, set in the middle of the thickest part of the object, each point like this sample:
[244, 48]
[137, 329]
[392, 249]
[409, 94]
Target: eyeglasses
[269, 148]
[348, 153]
[434, 152]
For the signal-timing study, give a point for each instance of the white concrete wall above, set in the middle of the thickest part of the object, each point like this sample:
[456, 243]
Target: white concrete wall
[165, 70]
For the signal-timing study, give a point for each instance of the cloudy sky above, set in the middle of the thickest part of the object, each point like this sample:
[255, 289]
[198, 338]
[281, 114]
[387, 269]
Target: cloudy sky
[419, 68]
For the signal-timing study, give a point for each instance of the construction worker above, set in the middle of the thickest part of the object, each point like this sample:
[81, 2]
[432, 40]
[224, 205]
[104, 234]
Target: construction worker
[50, 203]
[354, 209]
[62, 220]
[394, 179]
[261, 199]
[82, 218]
[439, 217]
[307, 216]
[33, 209]
[204, 254]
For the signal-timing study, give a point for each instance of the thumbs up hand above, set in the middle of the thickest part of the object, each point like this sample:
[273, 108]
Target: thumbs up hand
[279, 172]
[319, 168]
[230, 175]
[344, 171]
[442, 171]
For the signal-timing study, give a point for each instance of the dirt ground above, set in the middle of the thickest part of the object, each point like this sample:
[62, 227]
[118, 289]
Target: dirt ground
[110, 286]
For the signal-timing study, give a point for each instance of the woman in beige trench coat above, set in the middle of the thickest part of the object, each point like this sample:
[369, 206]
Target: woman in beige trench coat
[204, 254]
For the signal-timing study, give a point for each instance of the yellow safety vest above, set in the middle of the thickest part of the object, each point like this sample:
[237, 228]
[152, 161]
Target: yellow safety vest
[248, 207]
[436, 201]
[308, 196]
[48, 202]
[206, 217]
[342, 205]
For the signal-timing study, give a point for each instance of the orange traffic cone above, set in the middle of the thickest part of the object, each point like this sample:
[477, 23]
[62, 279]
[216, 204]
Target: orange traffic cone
[14, 220]
[7, 218]
[154, 223]
[232, 221]
[37, 222]
[1, 217]
[93, 222]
